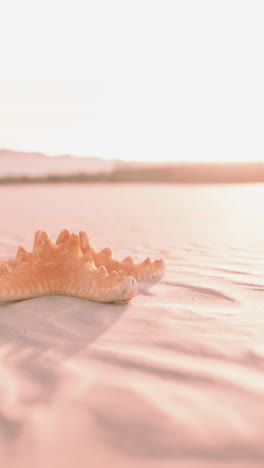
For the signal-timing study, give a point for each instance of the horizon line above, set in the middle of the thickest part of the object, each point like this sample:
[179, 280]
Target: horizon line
[135, 161]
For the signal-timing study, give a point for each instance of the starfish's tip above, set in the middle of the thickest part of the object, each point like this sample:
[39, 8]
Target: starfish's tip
[128, 261]
[106, 252]
[102, 272]
[127, 289]
[84, 241]
[63, 236]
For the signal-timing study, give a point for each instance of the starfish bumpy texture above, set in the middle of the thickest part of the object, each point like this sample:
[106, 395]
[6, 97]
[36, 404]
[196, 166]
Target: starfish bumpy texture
[72, 267]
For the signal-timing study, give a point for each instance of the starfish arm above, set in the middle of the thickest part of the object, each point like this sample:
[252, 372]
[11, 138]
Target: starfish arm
[140, 271]
[101, 286]
[28, 283]
[145, 270]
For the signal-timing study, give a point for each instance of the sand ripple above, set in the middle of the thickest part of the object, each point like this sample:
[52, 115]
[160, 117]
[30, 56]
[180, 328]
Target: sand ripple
[175, 378]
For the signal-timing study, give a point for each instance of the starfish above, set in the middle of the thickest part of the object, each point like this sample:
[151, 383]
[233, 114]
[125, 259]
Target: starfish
[72, 267]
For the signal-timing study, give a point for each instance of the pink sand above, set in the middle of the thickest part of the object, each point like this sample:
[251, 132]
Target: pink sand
[174, 378]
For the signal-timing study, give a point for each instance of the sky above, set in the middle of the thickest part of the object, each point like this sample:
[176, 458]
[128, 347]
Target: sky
[157, 80]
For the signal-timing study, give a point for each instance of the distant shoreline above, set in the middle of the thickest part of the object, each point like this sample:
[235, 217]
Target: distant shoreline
[203, 173]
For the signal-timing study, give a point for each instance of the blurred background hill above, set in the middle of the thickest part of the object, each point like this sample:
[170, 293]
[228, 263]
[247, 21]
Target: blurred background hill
[22, 167]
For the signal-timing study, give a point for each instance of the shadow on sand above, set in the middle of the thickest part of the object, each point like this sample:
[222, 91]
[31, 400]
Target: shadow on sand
[67, 325]
[36, 337]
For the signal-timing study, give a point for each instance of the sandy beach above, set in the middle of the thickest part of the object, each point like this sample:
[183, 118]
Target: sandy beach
[173, 378]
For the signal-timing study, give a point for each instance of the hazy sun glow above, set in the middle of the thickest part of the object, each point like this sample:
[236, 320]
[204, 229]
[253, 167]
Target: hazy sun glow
[144, 80]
